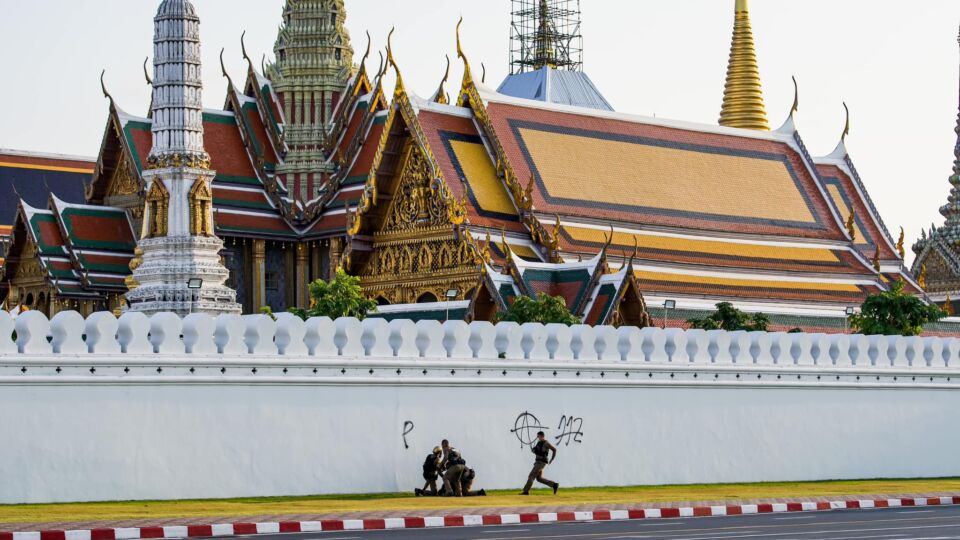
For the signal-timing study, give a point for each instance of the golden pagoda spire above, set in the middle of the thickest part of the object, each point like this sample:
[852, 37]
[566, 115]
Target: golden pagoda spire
[743, 95]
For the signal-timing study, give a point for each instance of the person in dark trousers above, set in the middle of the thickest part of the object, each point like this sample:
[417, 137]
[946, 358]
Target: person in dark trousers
[466, 481]
[454, 467]
[542, 450]
[431, 471]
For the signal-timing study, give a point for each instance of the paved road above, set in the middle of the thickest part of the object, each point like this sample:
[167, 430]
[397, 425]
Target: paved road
[922, 523]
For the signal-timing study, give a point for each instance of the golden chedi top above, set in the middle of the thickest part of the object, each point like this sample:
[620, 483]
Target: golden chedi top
[743, 95]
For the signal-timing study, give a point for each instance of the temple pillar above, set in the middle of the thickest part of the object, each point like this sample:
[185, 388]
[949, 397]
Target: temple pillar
[336, 252]
[303, 275]
[259, 274]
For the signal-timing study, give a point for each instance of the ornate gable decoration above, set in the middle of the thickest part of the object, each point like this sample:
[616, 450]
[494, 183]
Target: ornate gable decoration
[418, 203]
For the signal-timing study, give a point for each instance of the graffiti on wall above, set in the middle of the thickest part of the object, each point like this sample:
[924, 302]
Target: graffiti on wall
[407, 429]
[527, 425]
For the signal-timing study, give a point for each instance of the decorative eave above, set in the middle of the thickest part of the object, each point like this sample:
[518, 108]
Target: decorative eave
[403, 106]
[841, 159]
[275, 191]
[522, 197]
[103, 172]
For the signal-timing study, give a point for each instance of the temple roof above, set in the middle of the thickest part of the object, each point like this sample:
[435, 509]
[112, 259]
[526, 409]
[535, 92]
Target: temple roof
[33, 177]
[555, 86]
[621, 168]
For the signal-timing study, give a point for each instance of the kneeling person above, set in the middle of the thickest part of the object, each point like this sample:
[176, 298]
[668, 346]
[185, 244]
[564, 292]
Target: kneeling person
[455, 467]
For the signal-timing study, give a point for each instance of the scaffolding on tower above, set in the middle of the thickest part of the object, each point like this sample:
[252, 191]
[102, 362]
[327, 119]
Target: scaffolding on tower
[545, 33]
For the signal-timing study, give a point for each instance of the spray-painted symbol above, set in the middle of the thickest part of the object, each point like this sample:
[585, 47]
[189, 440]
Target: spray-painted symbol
[407, 429]
[525, 427]
[570, 430]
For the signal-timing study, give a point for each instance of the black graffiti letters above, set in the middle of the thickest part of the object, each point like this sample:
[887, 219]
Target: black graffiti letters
[407, 428]
[571, 430]
[525, 427]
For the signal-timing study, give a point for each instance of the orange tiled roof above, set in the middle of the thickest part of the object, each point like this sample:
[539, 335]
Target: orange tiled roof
[612, 169]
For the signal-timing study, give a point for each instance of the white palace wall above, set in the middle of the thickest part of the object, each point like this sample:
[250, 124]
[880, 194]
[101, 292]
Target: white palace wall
[160, 408]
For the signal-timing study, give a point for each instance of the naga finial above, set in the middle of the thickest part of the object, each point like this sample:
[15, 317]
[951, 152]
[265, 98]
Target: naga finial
[852, 225]
[900, 244]
[796, 96]
[441, 95]
[876, 258]
[390, 48]
[846, 127]
[146, 72]
[243, 48]
[103, 86]
[367, 53]
[223, 67]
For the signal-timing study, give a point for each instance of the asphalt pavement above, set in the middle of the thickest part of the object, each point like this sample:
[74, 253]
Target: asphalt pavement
[916, 523]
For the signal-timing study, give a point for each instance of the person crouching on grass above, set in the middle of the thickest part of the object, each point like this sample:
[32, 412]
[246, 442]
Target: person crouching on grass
[542, 450]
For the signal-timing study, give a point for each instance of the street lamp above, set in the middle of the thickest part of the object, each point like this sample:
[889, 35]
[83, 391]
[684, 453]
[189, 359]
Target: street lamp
[194, 284]
[850, 311]
[451, 294]
[668, 304]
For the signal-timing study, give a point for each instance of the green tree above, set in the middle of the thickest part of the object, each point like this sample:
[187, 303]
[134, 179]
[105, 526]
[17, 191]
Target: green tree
[731, 319]
[894, 313]
[542, 309]
[340, 297]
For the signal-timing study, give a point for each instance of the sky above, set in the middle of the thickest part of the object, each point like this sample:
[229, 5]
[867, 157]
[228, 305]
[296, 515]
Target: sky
[895, 66]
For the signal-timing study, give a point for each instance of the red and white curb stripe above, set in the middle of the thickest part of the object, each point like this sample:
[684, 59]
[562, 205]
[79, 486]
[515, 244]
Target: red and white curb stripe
[236, 529]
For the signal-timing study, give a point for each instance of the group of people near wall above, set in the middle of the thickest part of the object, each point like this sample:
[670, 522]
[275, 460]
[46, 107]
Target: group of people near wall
[448, 464]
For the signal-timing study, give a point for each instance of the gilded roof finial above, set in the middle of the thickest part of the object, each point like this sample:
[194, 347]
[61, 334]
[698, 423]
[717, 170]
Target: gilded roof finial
[391, 61]
[508, 253]
[223, 68]
[846, 126]
[441, 95]
[852, 225]
[796, 96]
[900, 247]
[460, 53]
[876, 258]
[103, 86]
[486, 250]
[743, 105]
[948, 307]
[367, 53]
[483, 73]
[922, 278]
[243, 48]
[146, 72]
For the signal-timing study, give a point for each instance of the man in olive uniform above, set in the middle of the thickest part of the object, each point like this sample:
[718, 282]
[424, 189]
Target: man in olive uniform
[542, 450]
[455, 467]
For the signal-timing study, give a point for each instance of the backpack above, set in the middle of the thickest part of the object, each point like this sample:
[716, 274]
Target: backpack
[454, 458]
[430, 464]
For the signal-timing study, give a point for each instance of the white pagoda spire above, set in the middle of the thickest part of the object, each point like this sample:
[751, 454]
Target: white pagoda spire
[177, 86]
[181, 269]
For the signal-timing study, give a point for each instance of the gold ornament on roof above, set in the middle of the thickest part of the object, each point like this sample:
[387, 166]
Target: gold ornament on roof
[876, 259]
[852, 225]
[743, 105]
[948, 307]
[900, 247]
[922, 278]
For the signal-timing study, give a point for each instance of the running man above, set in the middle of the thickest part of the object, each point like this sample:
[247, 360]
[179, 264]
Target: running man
[542, 450]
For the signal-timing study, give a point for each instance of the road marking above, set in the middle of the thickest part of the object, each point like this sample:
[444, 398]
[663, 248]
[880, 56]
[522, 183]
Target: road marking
[917, 512]
[794, 517]
[506, 531]
[750, 529]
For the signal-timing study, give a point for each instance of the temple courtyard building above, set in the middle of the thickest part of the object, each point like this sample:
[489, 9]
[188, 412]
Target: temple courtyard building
[451, 205]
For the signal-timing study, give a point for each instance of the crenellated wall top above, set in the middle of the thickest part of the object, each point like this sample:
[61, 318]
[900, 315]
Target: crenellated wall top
[31, 336]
